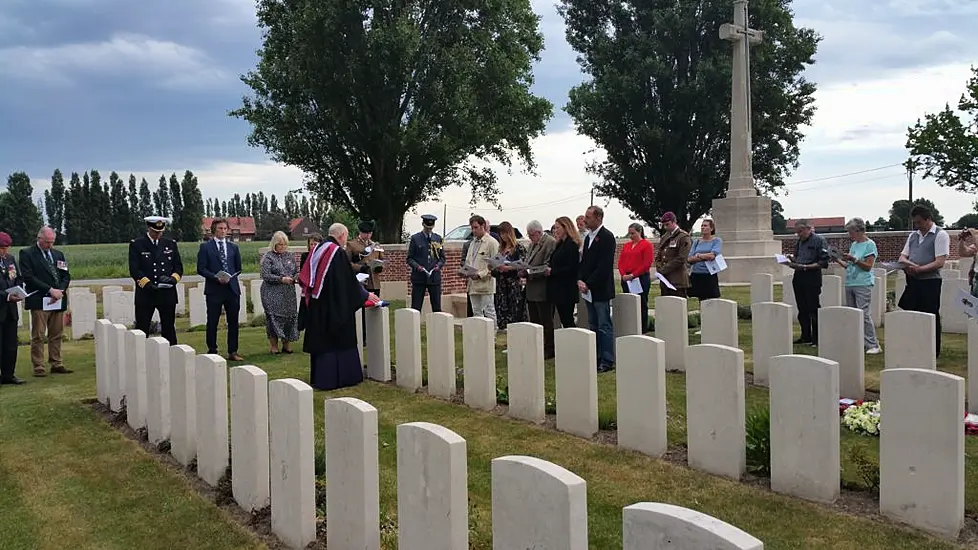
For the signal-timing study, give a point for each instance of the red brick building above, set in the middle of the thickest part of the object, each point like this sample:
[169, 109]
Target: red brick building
[302, 228]
[239, 228]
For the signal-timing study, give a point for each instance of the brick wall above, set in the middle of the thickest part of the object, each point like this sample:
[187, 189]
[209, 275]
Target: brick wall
[397, 270]
[889, 243]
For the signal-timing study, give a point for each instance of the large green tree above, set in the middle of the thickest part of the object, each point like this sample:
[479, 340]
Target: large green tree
[54, 203]
[19, 216]
[945, 144]
[657, 99]
[900, 213]
[385, 103]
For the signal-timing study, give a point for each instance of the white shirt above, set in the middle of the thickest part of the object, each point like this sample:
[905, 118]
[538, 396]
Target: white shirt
[593, 234]
[942, 242]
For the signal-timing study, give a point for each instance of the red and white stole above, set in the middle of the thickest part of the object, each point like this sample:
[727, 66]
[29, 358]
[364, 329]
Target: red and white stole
[313, 274]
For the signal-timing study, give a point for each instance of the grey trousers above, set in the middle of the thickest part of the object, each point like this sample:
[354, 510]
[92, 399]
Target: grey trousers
[860, 297]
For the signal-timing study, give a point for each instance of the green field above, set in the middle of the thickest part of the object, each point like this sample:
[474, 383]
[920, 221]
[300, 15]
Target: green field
[110, 261]
[69, 480]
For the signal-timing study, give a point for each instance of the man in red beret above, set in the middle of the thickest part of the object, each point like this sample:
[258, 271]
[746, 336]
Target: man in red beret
[10, 282]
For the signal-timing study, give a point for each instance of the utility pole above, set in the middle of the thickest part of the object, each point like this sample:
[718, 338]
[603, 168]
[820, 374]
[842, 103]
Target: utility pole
[911, 166]
[444, 219]
[592, 195]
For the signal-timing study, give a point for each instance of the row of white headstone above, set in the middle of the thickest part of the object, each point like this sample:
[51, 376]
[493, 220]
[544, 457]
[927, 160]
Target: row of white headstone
[269, 439]
[917, 478]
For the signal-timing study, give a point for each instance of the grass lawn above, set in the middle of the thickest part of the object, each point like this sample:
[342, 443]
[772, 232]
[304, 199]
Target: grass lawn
[69, 480]
[108, 261]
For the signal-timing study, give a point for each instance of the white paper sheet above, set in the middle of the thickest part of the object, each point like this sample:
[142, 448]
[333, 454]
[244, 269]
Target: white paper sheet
[665, 281]
[19, 291]
[634, 286]
[967, 303]
[716, 265]
[587, 296]
[48, 305]
[361, 277]
[781, 259]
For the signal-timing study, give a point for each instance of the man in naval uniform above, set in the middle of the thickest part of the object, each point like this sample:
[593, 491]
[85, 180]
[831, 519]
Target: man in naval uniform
[155, 266]
[426, 256]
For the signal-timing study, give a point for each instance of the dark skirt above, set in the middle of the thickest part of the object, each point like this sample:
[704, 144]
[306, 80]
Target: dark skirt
[332, 370]
[704, 286]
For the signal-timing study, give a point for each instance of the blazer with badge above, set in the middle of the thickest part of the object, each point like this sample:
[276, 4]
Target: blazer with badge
[209, 265]
[360, 257]
[151, 265]
[426, 251]
[670, 261]
[9, 277]
[41, 276]
[597, 268]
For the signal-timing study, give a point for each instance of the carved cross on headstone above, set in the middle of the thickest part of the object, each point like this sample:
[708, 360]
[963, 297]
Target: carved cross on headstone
[741, 171]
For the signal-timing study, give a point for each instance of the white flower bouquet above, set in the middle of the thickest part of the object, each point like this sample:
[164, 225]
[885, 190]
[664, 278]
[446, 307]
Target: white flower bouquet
[863, 418]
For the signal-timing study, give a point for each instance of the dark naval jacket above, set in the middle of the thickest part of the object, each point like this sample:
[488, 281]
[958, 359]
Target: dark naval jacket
[151, 265]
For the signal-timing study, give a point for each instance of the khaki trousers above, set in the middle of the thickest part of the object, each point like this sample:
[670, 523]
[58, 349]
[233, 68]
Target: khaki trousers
[50, 323]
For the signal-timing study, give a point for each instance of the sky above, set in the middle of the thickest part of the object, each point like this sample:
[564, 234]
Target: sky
[145, 87]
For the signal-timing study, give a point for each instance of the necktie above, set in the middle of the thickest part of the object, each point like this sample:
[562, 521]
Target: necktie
[224, 256]
[49, 257]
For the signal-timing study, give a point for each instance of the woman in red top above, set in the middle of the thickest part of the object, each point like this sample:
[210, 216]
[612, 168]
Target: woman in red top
[635, 263]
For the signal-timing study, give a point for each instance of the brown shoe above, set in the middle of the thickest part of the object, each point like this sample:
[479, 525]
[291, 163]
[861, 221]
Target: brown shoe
[60, 370]
[235, 357]
[40, 373]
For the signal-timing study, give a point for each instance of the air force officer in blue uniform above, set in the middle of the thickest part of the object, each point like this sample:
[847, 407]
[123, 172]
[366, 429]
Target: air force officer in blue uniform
[426, 256]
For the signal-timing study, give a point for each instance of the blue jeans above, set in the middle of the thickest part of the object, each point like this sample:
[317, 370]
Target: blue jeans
[599, 321]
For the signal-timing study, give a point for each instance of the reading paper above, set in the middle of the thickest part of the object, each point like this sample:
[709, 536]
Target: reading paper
[634, 286]
[781, 259]
[361, 277]
[52, 306]
[664, 281]
[19, 291]
[716, 265]
[967, 303]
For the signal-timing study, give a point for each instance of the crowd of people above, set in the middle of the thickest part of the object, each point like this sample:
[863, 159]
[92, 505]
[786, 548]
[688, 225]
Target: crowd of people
[568, 265]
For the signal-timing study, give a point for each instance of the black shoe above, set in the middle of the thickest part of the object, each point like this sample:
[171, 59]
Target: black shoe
[12, 381]
[802, 341]
[604, 367]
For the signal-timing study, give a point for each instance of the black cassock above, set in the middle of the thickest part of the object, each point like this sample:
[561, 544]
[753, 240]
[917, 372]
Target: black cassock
[331, 330]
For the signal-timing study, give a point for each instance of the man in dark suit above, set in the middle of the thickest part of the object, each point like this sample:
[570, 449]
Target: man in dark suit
[426, 256]
[597, 284]
[9, 278]
[155, 265]
[45, 273]
[221, 256]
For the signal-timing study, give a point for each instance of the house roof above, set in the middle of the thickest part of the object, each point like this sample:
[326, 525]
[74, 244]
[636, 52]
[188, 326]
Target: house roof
[838, 221]
[295, 222]
[243, 225]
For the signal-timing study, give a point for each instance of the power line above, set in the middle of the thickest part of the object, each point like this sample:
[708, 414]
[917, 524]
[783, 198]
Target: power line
[839, 184]
[877, 169]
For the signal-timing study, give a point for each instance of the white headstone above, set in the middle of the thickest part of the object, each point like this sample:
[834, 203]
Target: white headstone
[257, 307]
[537, 504]
[181, 298]
[641, 387]
[117, 364]
[577, 381]
[243, 310]
[198, 307]
[378, 344]
[249, 437]
[666, 526]
[21, 318]
[922, 449]
[211, 378]
[407, 343]
[840, 339]
[805, 427]
[878, 304]
[136, 379]
[953, 319]
[973, 366]
[106, 290]
[157, 389]
[352, 468]
[626, 315]
[788, 294]
[831, 291]
[103, 363]
[953, 274]
[524, 361]
[672, 327]
[440, 333]
[82, 314]
[718, 322]
[123, 307]
[901, 285]
[292, 462]
[761, 288]
[772, 326]
[909, 340]
[715, 414]
[183, 403]
[479, 362]
[432, 488]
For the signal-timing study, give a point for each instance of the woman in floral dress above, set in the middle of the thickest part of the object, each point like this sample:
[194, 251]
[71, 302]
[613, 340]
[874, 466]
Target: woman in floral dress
[278, 274]
[509, 301]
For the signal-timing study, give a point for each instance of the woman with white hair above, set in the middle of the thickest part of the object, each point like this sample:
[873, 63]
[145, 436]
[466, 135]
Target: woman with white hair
[278, 274]
[859, 278]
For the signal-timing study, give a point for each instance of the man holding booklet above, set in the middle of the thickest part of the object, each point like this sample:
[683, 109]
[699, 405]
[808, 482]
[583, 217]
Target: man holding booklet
[45, 273]
[219, 263]
[12, 292]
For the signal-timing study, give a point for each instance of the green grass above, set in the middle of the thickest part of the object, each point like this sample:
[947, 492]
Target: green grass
[109, 261]
[69, 480]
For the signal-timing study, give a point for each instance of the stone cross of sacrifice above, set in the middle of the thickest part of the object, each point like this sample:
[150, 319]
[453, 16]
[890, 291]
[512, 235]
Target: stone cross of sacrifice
[741, 171]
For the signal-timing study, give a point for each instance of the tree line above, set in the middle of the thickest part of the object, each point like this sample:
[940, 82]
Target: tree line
[90, 210]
